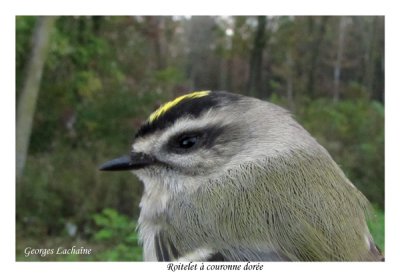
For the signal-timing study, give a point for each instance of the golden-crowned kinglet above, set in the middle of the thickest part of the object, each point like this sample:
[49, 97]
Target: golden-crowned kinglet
[233, 178]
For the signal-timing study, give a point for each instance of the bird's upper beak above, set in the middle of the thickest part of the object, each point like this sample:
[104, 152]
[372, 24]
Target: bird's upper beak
[134, 161]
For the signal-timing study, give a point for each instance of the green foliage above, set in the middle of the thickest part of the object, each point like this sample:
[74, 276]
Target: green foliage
[118, 231]
[113, 238]
[168, 78]
[67, 187]
[377, 227]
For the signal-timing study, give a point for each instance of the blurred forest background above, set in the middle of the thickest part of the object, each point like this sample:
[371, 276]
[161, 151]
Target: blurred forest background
[99, 77]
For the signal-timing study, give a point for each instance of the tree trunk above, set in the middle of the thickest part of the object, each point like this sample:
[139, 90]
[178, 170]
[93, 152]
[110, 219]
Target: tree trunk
[338, 63]
[314, 53]
[289, 80]
[155, 31]
[28, 98]
[255, 80]
[374, 64]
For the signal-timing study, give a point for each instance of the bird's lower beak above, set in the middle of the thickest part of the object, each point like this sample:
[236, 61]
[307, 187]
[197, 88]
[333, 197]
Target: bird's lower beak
[132, 162]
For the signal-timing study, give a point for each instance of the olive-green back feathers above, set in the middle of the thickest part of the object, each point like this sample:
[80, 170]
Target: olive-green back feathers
[305, 209]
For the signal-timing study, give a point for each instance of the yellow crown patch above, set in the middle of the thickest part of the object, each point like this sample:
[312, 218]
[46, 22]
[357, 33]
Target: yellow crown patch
[167, 106]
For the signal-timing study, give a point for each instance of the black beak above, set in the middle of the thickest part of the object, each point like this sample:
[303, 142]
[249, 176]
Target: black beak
[132, 162]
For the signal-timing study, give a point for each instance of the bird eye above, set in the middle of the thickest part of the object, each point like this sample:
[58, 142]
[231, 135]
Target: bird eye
[188, 141]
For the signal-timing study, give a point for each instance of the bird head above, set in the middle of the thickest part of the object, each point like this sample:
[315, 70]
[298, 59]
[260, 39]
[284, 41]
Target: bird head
[204, 134]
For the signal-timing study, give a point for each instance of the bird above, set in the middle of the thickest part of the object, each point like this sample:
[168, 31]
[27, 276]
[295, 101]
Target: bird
[228, 177]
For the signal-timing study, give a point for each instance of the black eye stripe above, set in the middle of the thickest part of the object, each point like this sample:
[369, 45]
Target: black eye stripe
[191, 140]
